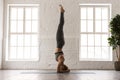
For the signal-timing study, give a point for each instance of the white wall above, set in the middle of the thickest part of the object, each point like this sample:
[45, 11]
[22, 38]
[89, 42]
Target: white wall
[1, 30]
[49, 15]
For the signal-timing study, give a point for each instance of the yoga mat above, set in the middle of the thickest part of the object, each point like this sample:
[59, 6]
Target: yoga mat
[53, 72]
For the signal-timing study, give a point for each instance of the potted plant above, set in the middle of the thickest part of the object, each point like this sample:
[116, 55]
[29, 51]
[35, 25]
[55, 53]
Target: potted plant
[114, 39]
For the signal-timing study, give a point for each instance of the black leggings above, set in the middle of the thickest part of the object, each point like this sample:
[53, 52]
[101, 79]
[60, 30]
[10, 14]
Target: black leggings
[60, 33]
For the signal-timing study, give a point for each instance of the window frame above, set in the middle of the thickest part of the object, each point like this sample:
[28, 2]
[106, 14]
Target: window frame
[101, 33]
[7, 50]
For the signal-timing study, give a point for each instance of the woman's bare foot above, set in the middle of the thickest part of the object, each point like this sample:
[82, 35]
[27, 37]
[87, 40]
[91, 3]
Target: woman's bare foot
[61, 8]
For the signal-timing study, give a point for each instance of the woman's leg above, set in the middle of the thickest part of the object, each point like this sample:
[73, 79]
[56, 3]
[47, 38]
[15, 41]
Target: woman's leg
[60, 33]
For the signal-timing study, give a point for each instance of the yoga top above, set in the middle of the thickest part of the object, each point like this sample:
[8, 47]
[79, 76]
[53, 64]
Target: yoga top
[57, 54]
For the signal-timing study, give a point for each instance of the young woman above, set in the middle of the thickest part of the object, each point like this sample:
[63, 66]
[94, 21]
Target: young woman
[61, 68]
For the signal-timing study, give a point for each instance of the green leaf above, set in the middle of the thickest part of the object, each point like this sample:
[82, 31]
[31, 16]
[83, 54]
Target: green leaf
[114, 39]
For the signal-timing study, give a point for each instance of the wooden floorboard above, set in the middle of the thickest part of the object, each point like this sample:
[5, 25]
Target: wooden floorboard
[52, 75]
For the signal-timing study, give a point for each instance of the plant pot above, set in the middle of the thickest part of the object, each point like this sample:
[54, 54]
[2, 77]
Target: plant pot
[117, 65]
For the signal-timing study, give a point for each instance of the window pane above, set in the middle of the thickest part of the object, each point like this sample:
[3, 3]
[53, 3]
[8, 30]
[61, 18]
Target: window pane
[90, 40]
[34, 52]
[104, 40]
[34, 13]
[110, 53]
[83, 53]
[13, 52]
[90, 52]
[104, 13]
[13, 13]
[20, 53]
[28, 26]
[90, 26]
[94, 33]
[34, 26]
[97, 40]
[13, 40]
[104, 25]
[34, 40]
[28, 13]
[97, 52]
[27, 40]
[20, 13]
[83, 25]
[83, 39]
[90, 13]
[97, 13]
[105, 53]
[27, 52]
[13, 26]
[20, 26]
[98, 26]
[20, 40]
[83, 13]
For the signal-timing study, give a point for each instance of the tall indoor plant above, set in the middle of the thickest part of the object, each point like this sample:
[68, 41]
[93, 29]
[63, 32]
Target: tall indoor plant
[114, 39]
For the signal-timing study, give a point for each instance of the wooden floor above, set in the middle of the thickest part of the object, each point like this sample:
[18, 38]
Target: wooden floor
[52, 75]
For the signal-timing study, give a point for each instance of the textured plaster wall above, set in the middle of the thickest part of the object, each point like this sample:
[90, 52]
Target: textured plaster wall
[1, 30]
[49, 19]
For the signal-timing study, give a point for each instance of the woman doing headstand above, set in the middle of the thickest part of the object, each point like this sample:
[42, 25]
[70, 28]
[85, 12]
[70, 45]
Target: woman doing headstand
[61, 68]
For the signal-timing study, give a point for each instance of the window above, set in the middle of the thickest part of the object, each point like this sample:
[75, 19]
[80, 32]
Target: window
[22, 42]
[94, 21]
